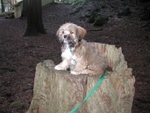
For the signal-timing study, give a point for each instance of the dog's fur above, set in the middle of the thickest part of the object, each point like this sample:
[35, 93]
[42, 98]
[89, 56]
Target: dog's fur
[77, 54]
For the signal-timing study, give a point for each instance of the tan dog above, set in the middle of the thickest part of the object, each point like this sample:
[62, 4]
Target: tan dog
[77, 54]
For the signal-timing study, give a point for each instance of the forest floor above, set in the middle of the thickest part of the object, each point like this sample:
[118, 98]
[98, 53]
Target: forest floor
[19, 55]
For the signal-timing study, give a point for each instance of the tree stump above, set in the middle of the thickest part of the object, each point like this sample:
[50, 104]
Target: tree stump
[59, 91]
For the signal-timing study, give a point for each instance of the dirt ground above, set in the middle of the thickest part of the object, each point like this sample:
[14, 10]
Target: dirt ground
[19, 55]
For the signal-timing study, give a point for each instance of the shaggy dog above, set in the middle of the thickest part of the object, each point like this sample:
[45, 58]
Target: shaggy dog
[80, 56]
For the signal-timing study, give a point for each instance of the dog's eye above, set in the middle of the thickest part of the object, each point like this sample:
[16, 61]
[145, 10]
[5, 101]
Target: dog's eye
[62, 32]
[71, 32]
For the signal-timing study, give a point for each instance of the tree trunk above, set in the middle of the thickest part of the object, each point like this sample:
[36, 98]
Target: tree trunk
[34, 20]
[59, 91]
[2, 4]
[25, 8]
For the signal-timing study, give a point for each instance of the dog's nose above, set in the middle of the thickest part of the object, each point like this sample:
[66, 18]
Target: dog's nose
[65, 36]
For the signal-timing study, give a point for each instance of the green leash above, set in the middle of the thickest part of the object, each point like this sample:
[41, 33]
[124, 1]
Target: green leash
[89, 94]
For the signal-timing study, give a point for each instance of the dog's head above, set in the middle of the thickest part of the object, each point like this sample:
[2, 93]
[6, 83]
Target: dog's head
[70, 34]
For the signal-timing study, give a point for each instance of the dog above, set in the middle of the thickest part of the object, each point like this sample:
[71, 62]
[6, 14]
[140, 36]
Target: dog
[80, 56]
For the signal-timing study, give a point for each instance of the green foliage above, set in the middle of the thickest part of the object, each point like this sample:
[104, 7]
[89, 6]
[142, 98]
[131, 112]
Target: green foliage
[78, 4]
[100, 20]
[97, 19]
[92, 16]
[16, 104]
[73, 2]
[77, 9]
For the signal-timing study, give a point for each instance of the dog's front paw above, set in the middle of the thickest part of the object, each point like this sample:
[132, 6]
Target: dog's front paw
[59, 67]
[74, 73]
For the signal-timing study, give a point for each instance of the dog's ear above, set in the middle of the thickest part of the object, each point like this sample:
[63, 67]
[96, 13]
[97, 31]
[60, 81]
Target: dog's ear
[81, 32]
[57, 35]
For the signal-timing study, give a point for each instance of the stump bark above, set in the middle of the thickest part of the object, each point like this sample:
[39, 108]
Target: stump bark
[59, 91]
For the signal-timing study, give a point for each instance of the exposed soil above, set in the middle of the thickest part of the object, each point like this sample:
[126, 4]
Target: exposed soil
[19, 55]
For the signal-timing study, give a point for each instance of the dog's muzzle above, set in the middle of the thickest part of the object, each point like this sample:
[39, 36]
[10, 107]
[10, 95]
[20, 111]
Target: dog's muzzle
[71, 44]
[69, 40]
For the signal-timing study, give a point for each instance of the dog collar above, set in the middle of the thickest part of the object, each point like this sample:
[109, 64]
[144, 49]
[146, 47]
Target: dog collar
[73, 61]
[71, 50]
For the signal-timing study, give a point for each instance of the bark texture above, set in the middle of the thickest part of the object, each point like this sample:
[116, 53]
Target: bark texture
[59, 91]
